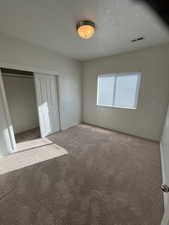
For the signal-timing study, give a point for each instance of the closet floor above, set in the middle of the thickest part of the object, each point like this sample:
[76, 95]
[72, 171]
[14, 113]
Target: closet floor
[28, 135]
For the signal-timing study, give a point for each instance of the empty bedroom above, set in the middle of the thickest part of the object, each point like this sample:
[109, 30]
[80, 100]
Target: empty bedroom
[84, 117]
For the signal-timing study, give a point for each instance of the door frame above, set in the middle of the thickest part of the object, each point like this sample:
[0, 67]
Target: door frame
[165, 219]
[165, 195]
[34, 71]
[11, 139]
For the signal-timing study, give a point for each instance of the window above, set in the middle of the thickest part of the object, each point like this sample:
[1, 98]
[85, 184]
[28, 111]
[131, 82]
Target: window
[118, 90]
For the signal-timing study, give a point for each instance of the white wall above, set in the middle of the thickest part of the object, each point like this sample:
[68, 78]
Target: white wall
[147, 120]
[17, 54]
[21, 98]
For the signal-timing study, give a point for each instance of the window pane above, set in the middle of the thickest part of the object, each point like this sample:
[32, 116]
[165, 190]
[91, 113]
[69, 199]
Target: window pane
[126, 90]
[105, 90]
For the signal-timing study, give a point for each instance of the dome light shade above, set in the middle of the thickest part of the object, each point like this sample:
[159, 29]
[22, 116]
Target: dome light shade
[86, 29]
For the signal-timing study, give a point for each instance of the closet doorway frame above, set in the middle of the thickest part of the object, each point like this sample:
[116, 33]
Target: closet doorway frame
[12, 141]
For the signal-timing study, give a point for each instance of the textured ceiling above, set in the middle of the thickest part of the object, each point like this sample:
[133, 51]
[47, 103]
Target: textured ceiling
[51, 24]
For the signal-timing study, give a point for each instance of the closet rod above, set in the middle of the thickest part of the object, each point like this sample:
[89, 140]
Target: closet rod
[16, 72]
[18, 76]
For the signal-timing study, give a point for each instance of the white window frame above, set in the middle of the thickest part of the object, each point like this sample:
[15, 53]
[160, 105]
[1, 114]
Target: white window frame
[115, 75]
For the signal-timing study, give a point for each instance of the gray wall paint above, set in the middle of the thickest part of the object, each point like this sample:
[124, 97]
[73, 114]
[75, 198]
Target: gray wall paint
[18, 54]
[147, 120]
[21, 99]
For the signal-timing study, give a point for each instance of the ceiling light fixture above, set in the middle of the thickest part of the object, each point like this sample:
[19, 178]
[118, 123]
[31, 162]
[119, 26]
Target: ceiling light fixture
[86, 29]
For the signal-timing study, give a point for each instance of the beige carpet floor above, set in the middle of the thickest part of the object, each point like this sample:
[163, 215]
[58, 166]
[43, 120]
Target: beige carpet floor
[107, 178]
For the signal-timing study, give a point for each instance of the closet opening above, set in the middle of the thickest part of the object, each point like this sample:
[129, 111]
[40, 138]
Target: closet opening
[21, 99]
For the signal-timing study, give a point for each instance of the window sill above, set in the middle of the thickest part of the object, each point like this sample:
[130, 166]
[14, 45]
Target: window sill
[115, 107]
